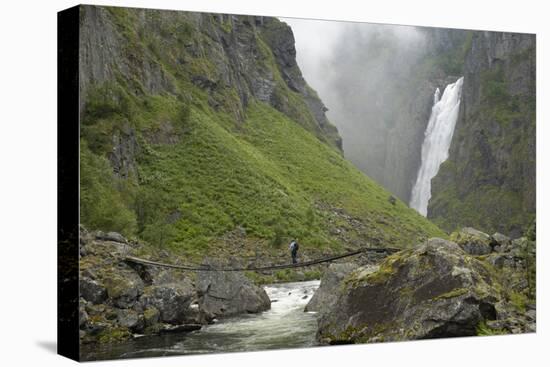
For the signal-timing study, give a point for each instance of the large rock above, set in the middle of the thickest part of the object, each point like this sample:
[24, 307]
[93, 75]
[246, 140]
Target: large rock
[130, 319]
[172, 300]
[111, 236]
[474, 242]
[82, 314]
[151, 316]
[123, 286]
[92, 291]
[503, 242]
[434, 290]
[230, 293]
[326, 295]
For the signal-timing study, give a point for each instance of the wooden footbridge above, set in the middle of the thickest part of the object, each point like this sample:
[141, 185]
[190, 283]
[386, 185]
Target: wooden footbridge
[136, 260]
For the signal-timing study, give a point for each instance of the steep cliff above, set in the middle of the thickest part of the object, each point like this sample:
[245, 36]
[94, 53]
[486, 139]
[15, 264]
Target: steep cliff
[233, 59]
[489, 179]
[200, 135]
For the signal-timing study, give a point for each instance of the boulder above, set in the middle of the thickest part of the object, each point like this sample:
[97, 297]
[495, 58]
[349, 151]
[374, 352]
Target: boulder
[434, 290]
[502, 242]
[92, 291]
[123, 286]
[111, 236]
[151, 316]
[82, 316]
[474, 242]
[171, 300]
[130, 319]
[502, 260]
[230, 293]
[104, 251]
[326, 295]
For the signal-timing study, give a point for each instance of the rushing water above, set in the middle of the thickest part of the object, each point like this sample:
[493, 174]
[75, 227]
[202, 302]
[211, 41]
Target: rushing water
[437, 140]
[285, 325]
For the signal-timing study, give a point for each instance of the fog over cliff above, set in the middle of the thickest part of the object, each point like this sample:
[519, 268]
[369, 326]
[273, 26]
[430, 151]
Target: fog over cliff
[377, 82]
[359, 70]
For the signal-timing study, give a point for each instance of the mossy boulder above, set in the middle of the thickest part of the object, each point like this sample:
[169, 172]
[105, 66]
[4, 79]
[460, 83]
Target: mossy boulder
[503, 242]
[92, 291]
[474, 242]
[131, 320]
[123, 286]
[151, 316]
[172, 300]
[112, 335]
[326, 295]
[230, 293]
[434, 290]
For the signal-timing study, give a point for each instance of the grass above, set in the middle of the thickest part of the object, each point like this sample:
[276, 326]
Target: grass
[483, 330]
[269, 172]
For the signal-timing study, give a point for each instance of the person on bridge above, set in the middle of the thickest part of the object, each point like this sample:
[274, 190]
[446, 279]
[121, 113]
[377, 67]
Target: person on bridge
[294, 250]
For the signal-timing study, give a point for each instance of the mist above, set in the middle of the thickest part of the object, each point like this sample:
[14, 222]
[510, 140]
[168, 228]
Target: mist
[367, 76]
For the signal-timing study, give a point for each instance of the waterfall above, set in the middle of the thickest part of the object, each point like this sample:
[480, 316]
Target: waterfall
[437, 139]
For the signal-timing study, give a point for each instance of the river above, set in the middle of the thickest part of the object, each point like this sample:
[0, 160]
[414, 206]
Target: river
[285, 325]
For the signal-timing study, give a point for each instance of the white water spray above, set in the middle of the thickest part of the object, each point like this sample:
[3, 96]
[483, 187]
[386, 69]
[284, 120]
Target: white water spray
[437, 140]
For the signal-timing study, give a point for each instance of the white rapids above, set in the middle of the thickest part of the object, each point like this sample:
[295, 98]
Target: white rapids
[285, 325]
[437, 140]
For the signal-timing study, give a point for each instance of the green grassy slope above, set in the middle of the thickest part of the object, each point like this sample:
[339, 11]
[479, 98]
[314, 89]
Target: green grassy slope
[199, 174]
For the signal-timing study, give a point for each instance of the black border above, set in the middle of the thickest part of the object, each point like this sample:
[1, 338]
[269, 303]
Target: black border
[67, 182]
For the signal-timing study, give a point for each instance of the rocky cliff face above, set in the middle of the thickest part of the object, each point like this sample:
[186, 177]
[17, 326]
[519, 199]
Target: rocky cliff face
[227, 56]
[489, 179]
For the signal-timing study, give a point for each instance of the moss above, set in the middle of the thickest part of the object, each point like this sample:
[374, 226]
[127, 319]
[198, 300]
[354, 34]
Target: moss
[114, 335]
[227, 25]
[483, 330]
[406, 292]
[150, 313]
[376, 275]
[518, 300]
[388, 267]
[457, 292]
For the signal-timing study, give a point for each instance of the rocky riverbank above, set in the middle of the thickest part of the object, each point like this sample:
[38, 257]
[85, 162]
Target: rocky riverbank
[119, 300]
[476, 284]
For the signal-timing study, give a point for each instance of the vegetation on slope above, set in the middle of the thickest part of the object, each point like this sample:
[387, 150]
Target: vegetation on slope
[198, 172]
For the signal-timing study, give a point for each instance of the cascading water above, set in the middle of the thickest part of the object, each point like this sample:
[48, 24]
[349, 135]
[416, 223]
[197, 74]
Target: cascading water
[437, 139]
